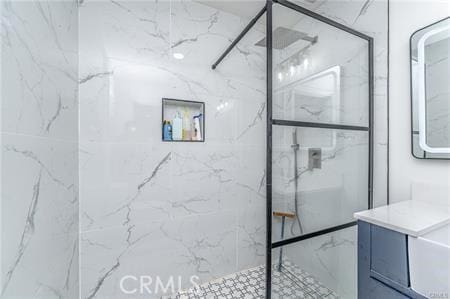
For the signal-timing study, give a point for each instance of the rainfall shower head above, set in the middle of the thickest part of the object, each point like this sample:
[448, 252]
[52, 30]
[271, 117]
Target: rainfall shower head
[284, 37]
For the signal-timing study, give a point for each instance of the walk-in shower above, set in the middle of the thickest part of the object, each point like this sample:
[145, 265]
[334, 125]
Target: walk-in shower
[319, 146]
[95, 205]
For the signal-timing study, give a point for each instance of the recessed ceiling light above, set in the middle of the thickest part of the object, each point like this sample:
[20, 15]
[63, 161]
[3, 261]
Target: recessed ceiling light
[178, 55]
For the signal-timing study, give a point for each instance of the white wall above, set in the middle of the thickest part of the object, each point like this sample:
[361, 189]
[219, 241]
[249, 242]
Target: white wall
[39, 149]
[405, 18]
[165, 209]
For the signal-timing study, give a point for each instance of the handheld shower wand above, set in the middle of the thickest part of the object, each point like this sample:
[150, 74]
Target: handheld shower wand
[295, 147]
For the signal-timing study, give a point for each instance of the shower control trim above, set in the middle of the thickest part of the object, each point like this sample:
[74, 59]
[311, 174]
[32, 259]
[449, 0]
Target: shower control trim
[314, 158]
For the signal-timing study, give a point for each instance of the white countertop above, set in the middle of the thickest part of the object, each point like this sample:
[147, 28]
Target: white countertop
[411, 217]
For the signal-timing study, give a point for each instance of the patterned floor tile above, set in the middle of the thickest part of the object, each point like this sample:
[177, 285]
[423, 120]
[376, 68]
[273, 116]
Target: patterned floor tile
[290, 283]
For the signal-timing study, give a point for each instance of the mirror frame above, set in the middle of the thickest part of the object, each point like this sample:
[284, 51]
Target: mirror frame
[412, 95]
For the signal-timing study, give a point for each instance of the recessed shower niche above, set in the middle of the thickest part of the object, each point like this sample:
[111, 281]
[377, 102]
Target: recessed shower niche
[183, 121]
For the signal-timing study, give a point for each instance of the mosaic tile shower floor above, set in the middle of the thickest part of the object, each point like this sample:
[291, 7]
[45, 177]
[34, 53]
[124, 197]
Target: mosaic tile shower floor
[291, 283]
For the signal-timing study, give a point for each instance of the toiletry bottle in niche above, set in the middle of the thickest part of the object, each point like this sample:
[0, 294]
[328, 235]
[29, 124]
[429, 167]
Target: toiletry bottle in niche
[167, 130]
[197, 129]
[186, 126]
[177, 127]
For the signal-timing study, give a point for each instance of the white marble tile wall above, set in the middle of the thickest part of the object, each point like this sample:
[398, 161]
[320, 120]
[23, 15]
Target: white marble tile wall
[168, 209]
[39, 169]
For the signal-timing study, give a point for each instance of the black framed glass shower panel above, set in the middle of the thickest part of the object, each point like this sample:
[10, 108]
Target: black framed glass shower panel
[358, 124]
[332, 174]
[316, 114]
[320, 118]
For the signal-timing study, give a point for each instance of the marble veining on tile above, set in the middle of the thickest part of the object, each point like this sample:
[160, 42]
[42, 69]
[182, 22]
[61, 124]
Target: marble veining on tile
[39, 149]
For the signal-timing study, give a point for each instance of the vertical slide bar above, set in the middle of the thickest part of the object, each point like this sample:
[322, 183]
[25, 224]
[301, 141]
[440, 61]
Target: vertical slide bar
[269, 150]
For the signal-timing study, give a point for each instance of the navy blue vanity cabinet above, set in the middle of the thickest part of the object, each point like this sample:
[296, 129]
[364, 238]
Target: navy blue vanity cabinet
[383, 263]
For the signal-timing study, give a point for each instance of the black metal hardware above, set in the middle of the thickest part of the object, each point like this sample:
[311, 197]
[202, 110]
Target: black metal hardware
[269, 78]
[293, 123]
[239, 37]
[313, 234]
[321, 18]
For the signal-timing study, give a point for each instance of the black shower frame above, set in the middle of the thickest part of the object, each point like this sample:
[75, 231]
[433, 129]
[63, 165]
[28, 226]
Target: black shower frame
[270, 122]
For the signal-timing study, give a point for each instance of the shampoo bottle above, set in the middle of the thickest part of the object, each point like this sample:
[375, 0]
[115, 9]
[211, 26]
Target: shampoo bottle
[165, 130]
[169, 130]
[177, 127]
[197, 129]
[186, 126]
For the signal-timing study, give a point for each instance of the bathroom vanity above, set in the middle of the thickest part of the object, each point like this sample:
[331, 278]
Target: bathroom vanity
[404, 250]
